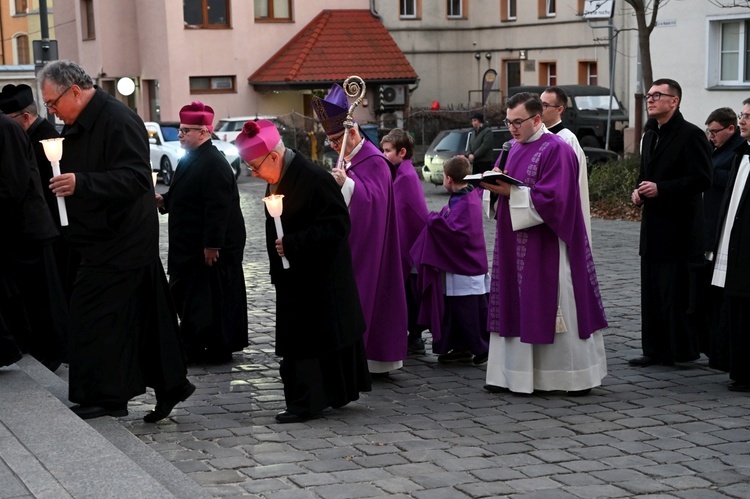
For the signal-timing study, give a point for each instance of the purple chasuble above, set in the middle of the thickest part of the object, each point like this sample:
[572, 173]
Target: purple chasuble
[525, 267]
[376, 257]
[411, 210]
[452, 241]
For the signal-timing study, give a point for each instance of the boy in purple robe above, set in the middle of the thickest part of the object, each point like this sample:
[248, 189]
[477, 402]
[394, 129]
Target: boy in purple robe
[545, 306]
[366, 181]
[451, 256]
[411, 211]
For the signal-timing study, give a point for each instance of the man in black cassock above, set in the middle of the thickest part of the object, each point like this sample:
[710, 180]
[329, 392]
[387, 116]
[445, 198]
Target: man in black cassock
[675, 170]
[17, 101]
[32, 301]
[206, 242]
[123, 325]
[319, 321]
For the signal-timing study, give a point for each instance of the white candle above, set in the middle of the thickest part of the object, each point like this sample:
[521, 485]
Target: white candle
[53, 150]
[275, 207]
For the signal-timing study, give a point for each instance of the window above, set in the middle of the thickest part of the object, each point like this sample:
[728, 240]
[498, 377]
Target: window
[507, 10]
[456, 9]
[21, 7]
[273, 10]
[729, 52]
[546, 8]
[410, 9]
[548, 73]
[588, 73]
[212, 84]
[22, 50]
[206, 13]
[88, 28]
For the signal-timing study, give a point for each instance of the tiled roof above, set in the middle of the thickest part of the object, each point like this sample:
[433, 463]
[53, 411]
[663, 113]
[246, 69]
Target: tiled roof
[332, 47]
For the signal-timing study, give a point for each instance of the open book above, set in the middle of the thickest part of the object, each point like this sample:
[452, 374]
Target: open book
[491, 178]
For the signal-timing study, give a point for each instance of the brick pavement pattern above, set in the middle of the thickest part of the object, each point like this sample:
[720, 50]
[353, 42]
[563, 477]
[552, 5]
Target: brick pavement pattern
[430, 431]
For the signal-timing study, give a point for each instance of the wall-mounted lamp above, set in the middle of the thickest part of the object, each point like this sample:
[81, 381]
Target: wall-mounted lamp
[477, 55]
[126, 86]
[488, 55]
[521, 55]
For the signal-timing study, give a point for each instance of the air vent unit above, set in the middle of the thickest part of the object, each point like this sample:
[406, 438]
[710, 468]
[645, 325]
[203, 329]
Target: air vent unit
[392, 95]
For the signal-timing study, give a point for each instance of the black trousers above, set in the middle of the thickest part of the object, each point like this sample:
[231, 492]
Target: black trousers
[669, 331]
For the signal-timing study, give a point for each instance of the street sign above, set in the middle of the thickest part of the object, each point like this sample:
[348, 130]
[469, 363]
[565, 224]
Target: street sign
[599, 9]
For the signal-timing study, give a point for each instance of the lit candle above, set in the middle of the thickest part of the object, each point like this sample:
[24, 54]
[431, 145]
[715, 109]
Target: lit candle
[53, 149]
[275, 207]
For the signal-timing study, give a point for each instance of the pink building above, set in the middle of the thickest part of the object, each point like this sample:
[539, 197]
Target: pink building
[177, 51]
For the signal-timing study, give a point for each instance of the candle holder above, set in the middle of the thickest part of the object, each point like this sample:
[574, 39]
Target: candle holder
[275, 207]
[53, 149]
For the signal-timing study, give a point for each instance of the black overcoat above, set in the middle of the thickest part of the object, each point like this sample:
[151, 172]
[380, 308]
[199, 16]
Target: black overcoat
[738, 258]
[204, 206]
[317, 304]
[676, 156]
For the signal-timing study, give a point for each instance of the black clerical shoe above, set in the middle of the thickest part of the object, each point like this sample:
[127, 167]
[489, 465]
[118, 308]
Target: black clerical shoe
[478, 360]
[647, 361]
[496, 389]
[11, 358]
[734, 386]
[97, 411]
[164, 407]
[579, 393]
[285, 417]
[454, 357]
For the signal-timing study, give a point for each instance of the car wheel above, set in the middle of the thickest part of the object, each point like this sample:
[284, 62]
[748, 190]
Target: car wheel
[236, 168]
[590, 141]
[165, 170]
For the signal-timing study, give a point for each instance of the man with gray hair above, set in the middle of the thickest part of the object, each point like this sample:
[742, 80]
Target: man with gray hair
[123, 325]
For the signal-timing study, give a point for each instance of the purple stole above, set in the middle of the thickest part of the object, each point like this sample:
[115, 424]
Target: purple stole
[376, 257]
[452, 241]
[525, 268]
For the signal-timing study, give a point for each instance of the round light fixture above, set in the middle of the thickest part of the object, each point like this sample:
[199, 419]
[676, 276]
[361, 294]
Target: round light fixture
[126, 86]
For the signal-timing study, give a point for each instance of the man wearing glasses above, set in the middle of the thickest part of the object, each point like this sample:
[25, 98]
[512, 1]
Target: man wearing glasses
[731, 257]
[206, 243]
[675, 170]
[554, 101]
[546, 312]
[123, 327]
[724, 134]
[366, 181]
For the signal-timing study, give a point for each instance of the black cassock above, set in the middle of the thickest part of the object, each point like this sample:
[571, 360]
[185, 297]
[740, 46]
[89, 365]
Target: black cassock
[319, 321]
[204, 212]
[33, 307]
[123, 329]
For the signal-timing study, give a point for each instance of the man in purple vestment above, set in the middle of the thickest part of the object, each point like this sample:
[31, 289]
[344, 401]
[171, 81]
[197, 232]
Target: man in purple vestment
[411, 212]
[545, 305]
[366, 181]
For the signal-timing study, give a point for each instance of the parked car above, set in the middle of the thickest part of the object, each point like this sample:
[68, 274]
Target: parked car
[449, 143]
[166, 150]
[227, 129]
[586, 114]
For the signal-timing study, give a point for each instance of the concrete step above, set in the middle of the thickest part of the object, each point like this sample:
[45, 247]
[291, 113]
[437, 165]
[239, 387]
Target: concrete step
[47, 451]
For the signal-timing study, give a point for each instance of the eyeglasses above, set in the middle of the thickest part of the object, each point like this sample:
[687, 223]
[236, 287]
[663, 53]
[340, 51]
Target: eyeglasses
[517, 123]
[657, 96]
[712, 133]
[16, 115]
[53, 104]
[337, 141]
[256, 166]
[186, 130]
[743, 116]
[547, 106]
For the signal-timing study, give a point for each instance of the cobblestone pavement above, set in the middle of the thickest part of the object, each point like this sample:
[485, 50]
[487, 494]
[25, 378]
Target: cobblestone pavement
[432, 432]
